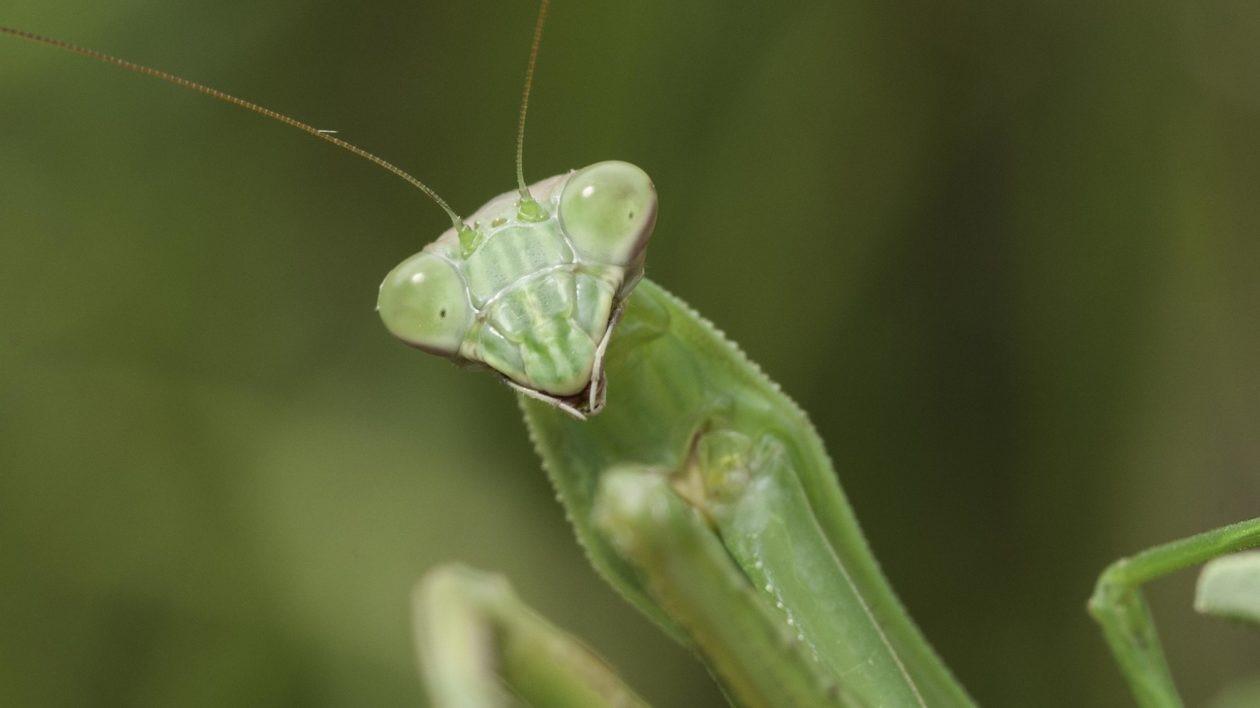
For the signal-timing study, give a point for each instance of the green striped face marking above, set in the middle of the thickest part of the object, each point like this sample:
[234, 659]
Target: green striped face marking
[531, 289]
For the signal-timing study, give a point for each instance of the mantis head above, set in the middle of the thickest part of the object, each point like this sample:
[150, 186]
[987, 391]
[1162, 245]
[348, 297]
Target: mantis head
[531, 287]
[532, 284]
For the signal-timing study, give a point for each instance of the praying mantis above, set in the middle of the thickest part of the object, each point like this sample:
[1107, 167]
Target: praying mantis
[698, 489]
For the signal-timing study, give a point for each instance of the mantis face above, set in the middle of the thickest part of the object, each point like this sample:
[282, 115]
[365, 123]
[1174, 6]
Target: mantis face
[531, 288]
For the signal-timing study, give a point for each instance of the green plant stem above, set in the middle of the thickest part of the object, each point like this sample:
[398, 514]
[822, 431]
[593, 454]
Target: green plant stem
[1119, 607]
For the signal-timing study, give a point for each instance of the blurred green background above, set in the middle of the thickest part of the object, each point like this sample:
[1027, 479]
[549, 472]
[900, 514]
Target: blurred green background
[1006, 254]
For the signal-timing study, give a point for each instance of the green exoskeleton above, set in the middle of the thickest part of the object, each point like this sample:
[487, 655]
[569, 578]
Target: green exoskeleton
[701, 492]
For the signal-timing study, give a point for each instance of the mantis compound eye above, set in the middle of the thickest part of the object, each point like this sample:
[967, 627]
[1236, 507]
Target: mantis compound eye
[608, 210]
[424, 302]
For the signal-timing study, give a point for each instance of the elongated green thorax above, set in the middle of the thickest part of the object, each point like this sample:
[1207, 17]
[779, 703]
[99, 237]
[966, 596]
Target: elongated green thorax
[531, 288]
[704, 432]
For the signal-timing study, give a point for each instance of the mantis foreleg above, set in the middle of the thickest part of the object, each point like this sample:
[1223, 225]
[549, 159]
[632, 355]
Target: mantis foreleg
[1117, 604]
[755, 500]
[480, 647]
[688, 573]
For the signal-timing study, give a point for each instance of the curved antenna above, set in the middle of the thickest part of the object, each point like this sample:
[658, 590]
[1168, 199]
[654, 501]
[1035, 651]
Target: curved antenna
[529, 85]
[326, 136]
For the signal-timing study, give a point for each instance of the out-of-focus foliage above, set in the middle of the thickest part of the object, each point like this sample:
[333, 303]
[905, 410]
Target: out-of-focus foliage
[1004, 253]
[1243, 694]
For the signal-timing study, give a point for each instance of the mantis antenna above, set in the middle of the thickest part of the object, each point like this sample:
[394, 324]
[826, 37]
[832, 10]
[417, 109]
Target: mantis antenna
[529, 84]
[249, 106]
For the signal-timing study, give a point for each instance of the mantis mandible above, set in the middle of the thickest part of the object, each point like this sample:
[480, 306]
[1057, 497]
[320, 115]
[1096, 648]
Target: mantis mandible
[698, 488]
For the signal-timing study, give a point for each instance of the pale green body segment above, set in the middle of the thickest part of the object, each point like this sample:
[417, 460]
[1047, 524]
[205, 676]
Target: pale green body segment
[680, 399]
[1229, 587]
